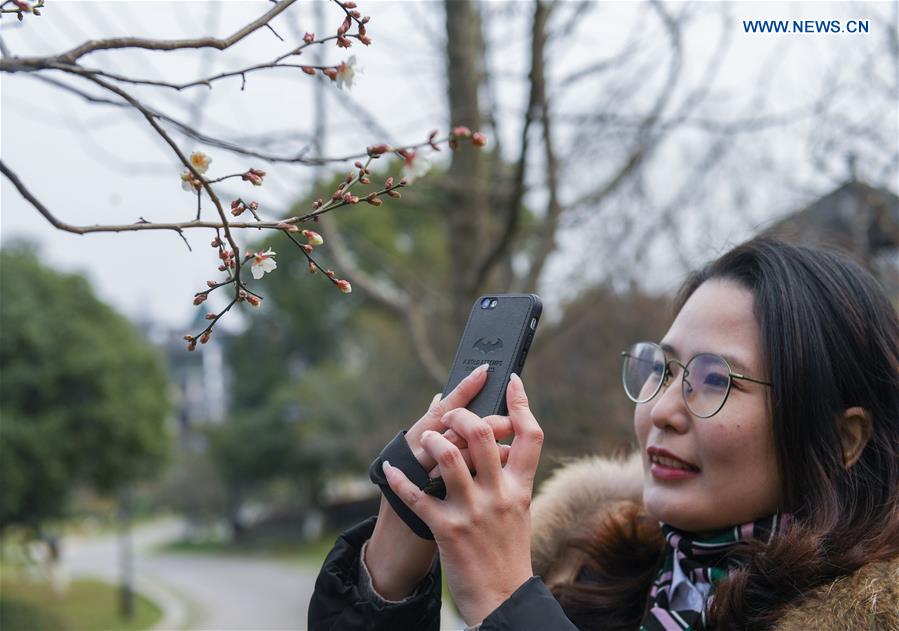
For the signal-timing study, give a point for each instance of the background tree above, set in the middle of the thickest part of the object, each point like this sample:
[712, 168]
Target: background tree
[83, 398]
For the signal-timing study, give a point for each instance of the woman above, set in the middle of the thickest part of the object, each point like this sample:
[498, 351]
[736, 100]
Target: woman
[767, 421]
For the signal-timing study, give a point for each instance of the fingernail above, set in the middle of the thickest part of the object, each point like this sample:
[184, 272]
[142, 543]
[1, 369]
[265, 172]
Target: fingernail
[386, 466]
[482, 367]
[516, 379]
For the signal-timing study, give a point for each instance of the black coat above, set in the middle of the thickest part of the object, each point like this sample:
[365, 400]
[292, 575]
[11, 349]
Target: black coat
[337, 604]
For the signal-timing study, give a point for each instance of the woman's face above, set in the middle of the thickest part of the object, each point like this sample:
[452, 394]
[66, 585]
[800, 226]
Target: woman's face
[737, 479]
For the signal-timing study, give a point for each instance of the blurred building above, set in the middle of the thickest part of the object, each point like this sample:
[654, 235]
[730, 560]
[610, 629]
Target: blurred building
[199, 378]
[858, 218]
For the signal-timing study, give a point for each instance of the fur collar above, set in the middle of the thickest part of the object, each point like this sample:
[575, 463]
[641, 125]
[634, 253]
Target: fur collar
[578, 493]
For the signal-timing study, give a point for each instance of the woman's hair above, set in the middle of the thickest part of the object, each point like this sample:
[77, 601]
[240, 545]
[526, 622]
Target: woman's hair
[830, 341]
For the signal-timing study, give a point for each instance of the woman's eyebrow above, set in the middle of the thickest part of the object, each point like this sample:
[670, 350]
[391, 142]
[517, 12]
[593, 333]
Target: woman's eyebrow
[735, 363]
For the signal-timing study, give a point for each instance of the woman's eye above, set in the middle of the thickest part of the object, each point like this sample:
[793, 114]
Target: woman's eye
[715, 380]
[658, 369]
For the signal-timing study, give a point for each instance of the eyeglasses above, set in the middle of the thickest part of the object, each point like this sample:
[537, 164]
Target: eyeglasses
[706, 382]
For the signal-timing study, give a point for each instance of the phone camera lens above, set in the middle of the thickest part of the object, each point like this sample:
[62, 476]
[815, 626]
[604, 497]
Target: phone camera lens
[493, 303]
[485, 303]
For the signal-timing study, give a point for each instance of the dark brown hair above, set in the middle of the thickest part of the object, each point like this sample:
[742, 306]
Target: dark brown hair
[830, 341]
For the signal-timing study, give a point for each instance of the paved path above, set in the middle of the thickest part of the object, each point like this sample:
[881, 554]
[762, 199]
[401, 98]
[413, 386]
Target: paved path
[206, 592]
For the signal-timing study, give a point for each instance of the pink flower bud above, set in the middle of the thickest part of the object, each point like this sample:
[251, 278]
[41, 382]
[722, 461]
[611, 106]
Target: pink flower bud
[478, 139]
[329, 273]
[389, 182]
[216, 242]
[237, 212]
[192, 346]
[287, 226]
[199, 299]
[205, 337]
[312, 267]
[404, 182]
[344, 286]
[241, 295]
[307, 69]
[313, 237]
[376, 150]
[394, 194]
[461, 132]
[365, 39]
[254, 205]
[188, 337]
[248, 255]
[374, 200]
[222, 268]
[253, 300]
[356, 14]
[309, 38]
[307, 248]
[210, 316]
[364, 180]
[349, 5]
[317, 204]
[358, 164]
[366, 19]
[331, 73]
[344, 26]
[211, 283]
[236, 203]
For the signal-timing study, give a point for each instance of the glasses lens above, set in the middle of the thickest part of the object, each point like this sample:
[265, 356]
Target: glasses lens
[706, 384]
[644, 368]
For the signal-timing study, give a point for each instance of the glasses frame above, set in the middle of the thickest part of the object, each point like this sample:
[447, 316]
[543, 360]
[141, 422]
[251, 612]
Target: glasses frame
[666, 378]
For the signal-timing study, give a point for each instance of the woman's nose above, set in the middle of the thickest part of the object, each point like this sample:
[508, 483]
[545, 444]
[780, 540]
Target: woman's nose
[668, 407]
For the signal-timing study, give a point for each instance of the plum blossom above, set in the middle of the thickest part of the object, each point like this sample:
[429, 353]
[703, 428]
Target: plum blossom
[189, 182]
[262, 263]
[346, 72]
[200, 161]
[344, 286]
[415, 165]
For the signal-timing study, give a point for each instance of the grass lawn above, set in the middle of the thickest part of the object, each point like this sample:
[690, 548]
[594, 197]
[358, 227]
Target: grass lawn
[87, 605]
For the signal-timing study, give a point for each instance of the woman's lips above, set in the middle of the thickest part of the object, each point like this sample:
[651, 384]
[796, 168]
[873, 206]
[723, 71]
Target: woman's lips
[662, 472]
[664, 465]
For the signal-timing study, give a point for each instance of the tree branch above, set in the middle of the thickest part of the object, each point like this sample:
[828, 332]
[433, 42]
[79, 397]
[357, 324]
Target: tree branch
[387, 295]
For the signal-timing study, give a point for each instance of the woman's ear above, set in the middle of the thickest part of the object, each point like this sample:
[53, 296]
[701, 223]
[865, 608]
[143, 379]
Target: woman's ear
[855, 428]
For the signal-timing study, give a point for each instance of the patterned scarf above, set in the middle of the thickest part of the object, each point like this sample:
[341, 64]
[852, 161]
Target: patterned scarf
[683, 589]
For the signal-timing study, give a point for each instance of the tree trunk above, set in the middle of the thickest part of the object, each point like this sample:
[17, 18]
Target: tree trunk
[467, 204]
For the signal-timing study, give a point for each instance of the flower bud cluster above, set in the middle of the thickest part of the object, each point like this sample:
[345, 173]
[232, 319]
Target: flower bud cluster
[253, 176]
[464, 133]
[238, 206]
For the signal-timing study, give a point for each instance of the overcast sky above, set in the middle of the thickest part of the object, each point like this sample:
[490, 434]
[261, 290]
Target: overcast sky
[97, 164]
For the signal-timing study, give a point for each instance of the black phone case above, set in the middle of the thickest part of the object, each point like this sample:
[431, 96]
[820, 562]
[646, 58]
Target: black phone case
[500, 336]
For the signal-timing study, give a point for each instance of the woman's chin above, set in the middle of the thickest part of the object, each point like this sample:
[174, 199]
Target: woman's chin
[674, 509]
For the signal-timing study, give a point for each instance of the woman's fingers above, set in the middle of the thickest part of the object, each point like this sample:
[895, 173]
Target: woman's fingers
[481, 444]
[528, 441]
[503, 458]
[417, 500]
[454, 471]
[462, 394]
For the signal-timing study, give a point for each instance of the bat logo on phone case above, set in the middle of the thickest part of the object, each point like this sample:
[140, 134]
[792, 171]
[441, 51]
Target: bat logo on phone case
[487, 346]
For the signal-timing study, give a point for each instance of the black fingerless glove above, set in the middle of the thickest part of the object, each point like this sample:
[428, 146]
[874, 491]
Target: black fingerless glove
[400, 456]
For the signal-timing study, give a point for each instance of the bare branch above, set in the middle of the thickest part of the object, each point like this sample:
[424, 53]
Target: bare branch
[387, 295]
[513, 207]
[176, 44]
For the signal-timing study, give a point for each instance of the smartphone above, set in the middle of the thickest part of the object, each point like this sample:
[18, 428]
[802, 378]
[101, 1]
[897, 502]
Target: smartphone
[499, 332]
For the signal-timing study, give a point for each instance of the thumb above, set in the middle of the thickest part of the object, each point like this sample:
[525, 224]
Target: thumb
[435, 401]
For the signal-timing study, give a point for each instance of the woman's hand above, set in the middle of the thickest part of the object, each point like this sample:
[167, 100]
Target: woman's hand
[396, 557]
[460, 397]
[483, 527]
